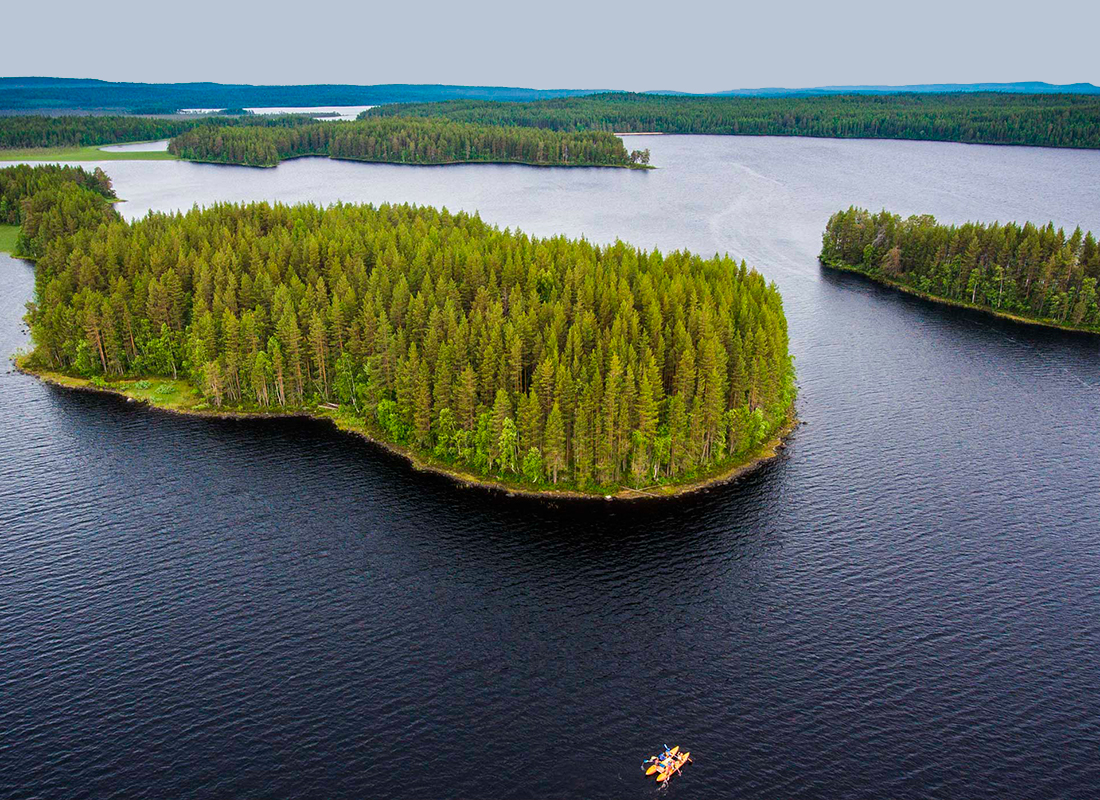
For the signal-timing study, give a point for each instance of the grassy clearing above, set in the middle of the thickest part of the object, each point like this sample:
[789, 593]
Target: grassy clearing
[164, 392]
[93, 153]
[8, 234]
[174, 395]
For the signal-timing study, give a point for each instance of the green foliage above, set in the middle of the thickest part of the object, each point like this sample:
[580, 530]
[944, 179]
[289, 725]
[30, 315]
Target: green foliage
[1053, 120]
[401, 141]
[58, 212]
[537, 360]
[21, 182]
[533, 466]
[25, 131]
[1029, 271]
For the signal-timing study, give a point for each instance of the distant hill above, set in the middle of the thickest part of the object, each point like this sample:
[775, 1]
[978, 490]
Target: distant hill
[72, 94]
[61, 95]
[1022, 87]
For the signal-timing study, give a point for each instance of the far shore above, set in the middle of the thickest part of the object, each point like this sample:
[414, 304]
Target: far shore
[641, 133]
[191, 404]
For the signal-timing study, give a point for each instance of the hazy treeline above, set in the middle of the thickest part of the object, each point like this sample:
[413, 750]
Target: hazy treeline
[1055, 120]
[404, 141]
[68, 93]
[1029, 270]
[546, 361]
[83, 131]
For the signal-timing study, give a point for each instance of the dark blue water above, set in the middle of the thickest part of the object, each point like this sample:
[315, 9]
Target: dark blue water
[906, 604]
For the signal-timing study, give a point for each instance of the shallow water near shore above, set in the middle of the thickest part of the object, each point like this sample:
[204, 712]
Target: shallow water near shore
[904, 604]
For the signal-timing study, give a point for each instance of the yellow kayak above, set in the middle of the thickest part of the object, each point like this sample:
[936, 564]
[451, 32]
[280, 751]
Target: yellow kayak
[673, 767]
[663, 764]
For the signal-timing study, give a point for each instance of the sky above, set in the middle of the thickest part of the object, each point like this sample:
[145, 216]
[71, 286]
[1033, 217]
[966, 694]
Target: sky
[578, 44]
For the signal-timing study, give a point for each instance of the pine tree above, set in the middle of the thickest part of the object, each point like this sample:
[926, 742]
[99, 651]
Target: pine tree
[555, 442]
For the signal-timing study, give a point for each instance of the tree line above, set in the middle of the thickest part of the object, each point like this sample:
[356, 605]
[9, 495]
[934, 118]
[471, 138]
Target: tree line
[545, 361]
[403, 141]
[1050, 120]
[1030, 271]
[32, 131]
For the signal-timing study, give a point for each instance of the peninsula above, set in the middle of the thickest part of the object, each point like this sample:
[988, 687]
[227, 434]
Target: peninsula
[547, 366]
[1028, 273]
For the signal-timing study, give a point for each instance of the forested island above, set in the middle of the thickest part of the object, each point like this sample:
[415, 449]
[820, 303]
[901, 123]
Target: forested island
[1048, 120]
[539, 364]
[1029, 272]
[403, 141]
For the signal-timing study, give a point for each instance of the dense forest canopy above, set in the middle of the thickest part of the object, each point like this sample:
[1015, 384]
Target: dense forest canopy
[403, 141]
[32, 131]
[543, 361]
[1030, 270]
[72, 131]
[1054, 120]
[20, 94]
[21, 182]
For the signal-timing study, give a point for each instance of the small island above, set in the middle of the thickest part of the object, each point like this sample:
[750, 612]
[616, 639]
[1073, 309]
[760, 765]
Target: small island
[552, 367]
[402, 141]
[1029, 273]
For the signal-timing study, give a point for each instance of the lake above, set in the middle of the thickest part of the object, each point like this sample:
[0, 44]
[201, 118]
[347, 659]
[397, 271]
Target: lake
[330, 112]
[905, 604]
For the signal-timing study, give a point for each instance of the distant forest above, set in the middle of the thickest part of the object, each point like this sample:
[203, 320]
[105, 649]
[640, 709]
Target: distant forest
[30, 94]
[1029, 271]
[535, 132]
[402, 141]
[1048, 120]
[33, 131]
[545, 362]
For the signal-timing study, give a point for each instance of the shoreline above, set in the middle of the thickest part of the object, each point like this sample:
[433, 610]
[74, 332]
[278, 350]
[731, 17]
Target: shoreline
[947, 301]
[769, 451]
[416, 164]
